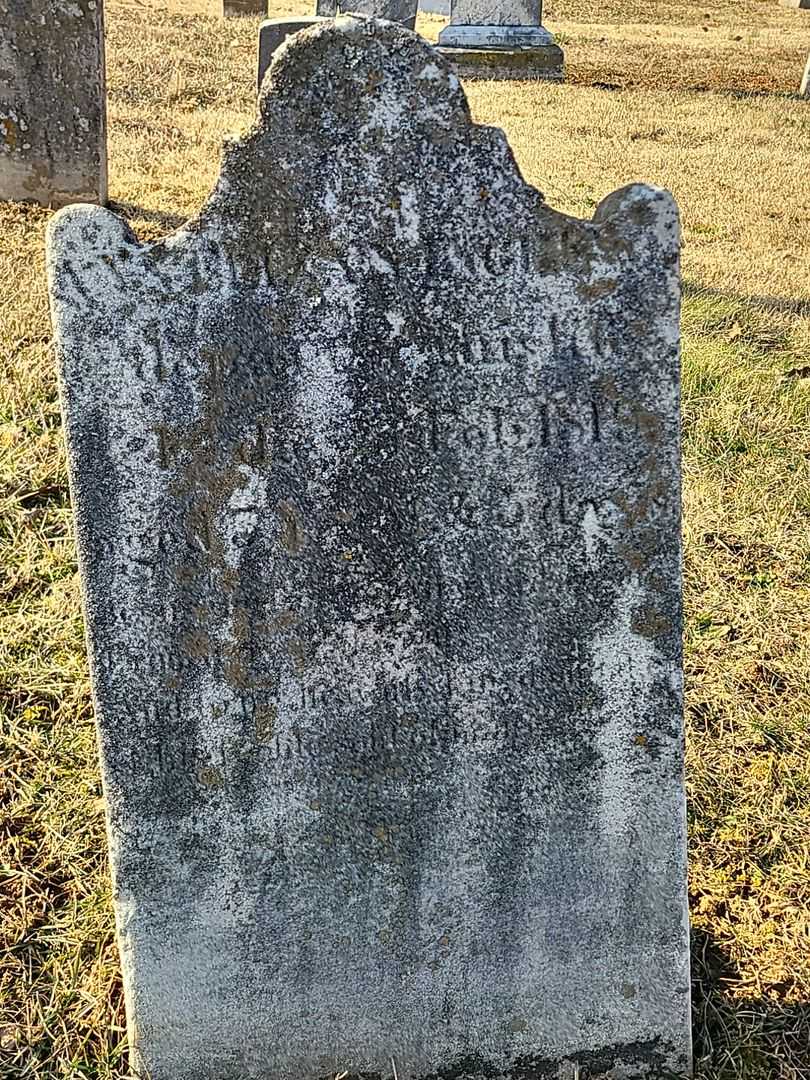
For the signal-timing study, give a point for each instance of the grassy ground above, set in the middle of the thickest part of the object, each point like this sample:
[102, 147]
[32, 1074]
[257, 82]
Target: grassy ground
[669, 109]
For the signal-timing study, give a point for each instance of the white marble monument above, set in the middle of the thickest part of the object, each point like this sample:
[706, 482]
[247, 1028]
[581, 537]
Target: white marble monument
[501, 39]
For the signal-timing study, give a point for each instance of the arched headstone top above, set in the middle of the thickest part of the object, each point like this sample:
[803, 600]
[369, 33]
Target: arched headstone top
[357, 95]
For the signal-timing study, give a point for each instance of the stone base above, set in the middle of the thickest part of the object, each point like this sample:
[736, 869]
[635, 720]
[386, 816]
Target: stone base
[539, 62]
[796, 4]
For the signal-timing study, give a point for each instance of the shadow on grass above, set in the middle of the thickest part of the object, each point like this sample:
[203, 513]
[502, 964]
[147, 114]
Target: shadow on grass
[133, 212]
[731, 83]
[741, 1038]
[780, 304]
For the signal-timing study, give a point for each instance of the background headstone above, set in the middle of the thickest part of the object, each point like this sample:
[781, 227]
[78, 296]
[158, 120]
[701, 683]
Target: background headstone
[273, 32]
[400, 11]
[376, 483]
[500, 39]
[52, 102]
[496, 13]
[804, 88]
[244, 7]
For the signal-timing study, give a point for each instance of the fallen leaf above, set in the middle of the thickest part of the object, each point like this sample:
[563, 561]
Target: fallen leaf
[735, 332]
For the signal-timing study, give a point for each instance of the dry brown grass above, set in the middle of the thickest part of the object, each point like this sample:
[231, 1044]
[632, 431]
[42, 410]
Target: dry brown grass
[735, 45]
[739, 166]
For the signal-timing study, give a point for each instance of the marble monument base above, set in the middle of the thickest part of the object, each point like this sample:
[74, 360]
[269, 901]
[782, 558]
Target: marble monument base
[522, 62]
[502, 52]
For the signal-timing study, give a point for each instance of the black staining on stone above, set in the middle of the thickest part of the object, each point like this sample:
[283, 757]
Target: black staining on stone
[642, 1060]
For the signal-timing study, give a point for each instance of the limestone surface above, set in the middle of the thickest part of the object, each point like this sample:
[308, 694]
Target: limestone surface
[375, 477]
[52, 102]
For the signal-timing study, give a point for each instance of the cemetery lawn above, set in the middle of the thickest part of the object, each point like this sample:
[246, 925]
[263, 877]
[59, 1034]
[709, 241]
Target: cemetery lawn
[692, 96]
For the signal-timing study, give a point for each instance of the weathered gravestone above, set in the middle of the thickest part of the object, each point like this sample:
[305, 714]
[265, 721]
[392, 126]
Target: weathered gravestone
[274, 32]
[375, 475]
[52, 102]
[401, 11]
